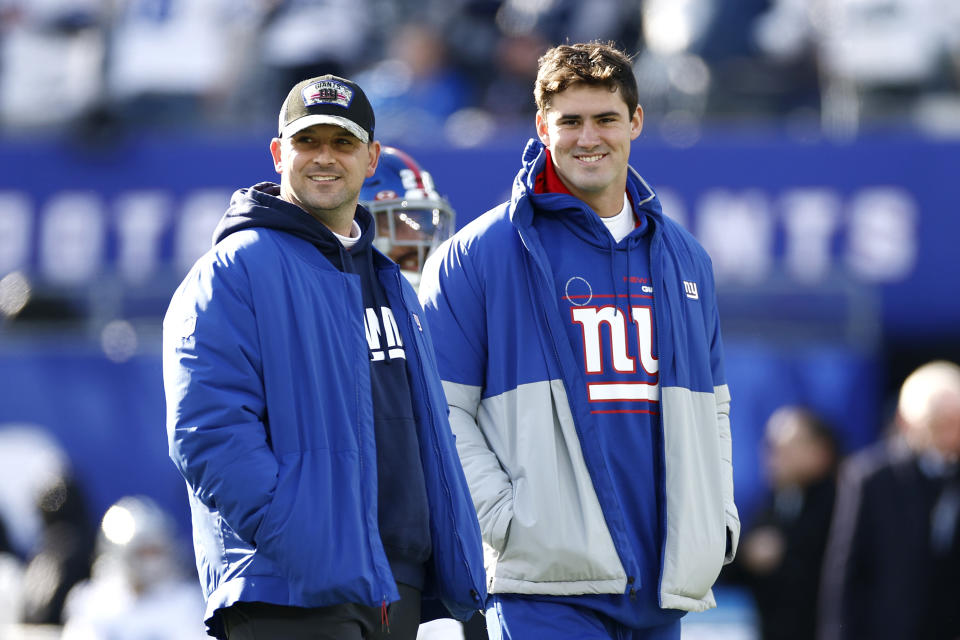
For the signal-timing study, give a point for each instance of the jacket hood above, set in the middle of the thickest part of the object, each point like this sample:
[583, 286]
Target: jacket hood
[260, 206]
[583, 220]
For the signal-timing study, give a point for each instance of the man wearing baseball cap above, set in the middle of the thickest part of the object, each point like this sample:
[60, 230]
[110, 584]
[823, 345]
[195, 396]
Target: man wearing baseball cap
[304, 409]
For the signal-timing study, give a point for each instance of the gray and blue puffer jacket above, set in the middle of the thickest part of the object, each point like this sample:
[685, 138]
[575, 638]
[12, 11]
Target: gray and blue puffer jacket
[270, 422]
[550, 520]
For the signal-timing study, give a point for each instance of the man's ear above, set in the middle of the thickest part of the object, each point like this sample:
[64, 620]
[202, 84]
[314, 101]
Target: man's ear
[275, 145]
[636, 123]
[374, 148]
[542, 131]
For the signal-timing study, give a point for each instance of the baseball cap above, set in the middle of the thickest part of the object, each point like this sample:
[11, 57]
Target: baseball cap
[327, 99]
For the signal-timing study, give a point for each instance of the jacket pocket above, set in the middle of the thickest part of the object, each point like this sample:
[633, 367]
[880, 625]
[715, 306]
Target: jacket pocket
[316, 530]
[696, 539]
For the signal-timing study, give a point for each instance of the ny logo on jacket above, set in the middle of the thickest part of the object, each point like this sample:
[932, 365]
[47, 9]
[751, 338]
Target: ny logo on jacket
[382, 328]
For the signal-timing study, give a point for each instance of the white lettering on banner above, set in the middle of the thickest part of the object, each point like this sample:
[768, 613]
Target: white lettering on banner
[201, 211]
[390, 333]
[882, 239]
[736, 229]
[810, 218]
[142, 217]
[15, 221]
[807, 234]
[72, 238]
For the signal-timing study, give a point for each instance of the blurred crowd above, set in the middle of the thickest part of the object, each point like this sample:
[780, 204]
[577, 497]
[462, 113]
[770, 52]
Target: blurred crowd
[460, 72]
[863, 545]
[845, 545]
[79, 575]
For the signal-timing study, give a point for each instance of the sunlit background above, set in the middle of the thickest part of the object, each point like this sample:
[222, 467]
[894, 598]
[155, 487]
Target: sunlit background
[812, 146]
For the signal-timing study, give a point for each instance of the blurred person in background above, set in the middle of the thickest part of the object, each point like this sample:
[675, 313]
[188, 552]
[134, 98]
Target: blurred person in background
[601, 517]
[138, 587]
[50, 49]
[894, 550]
[781, 554]
[894, 62]
[304, 410]
[31, 460]
[297, 39]
[173, 64]
[525, 32]
[416, 87]
[64, 553]
[506, 93]
[11, 586]
[411, 217]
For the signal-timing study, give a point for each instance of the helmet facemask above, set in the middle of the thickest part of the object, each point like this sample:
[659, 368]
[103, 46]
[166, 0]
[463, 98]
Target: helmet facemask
[412, 219]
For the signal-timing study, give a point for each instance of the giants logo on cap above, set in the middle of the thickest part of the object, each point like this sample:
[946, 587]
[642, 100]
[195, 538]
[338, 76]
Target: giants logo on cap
[327, 92]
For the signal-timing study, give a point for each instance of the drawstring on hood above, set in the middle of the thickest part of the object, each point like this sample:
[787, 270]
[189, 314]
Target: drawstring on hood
[544, 186]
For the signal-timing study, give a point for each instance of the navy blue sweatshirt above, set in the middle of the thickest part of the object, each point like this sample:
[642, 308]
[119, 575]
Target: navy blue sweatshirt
[402, 497]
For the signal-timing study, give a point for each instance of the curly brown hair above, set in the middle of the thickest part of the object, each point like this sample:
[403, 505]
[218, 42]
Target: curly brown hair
[591, 63]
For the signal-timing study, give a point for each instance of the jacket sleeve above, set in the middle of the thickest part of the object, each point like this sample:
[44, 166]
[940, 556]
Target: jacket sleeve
[452, 296]
[721, 394]
[216, 411]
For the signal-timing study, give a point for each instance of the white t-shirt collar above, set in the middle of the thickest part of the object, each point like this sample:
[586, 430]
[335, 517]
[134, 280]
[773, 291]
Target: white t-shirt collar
[623, 223]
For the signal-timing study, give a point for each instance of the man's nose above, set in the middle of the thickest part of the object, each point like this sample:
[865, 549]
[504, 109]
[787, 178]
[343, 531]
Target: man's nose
[324, 155]
[589, 135]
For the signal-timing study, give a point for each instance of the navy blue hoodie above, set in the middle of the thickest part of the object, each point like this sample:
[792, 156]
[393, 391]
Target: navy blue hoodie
[402, 506]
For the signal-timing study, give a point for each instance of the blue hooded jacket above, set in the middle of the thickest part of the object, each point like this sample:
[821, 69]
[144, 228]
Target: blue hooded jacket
[552, 516]
[270, 421]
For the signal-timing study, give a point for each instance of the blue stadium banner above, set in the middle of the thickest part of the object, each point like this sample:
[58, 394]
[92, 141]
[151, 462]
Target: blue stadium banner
[878, 215]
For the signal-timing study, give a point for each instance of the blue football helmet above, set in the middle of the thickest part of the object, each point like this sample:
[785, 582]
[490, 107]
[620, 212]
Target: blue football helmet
[412, 218]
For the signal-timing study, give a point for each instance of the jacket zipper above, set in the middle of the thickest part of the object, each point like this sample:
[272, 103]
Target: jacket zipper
[556, 352]
[433, 426]
[656, 275]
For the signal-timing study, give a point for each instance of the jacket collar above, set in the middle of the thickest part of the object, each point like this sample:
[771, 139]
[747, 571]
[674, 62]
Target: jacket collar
[534, 170]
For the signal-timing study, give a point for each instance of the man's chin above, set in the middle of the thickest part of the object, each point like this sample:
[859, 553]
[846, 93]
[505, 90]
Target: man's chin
[590, 185]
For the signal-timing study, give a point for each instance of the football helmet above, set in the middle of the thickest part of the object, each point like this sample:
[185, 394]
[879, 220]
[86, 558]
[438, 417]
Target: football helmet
[412, 218]
[136, 540]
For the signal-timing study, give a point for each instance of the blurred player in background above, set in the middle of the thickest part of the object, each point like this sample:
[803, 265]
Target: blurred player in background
[412, 218]
[139, 587]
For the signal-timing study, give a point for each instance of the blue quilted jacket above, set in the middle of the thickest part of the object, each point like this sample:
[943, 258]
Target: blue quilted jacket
[270, 422]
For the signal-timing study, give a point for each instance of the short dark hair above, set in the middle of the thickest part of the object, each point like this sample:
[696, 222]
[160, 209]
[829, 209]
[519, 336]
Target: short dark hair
[591, 63]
